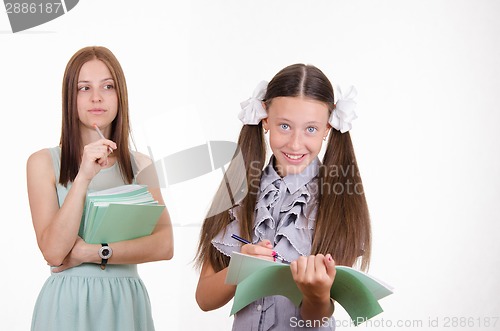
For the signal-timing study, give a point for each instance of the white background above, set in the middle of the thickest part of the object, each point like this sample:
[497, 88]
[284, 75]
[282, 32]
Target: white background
[427, 142]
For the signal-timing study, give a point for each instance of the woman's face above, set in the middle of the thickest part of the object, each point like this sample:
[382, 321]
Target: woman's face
[97, 99]
[296, 127]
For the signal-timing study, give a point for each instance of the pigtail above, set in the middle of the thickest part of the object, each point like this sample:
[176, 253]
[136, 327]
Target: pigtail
[253, 148]
[240, 185]
[342, 222]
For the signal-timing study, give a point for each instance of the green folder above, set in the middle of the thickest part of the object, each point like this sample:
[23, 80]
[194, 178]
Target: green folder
[357, 292]
[120, 213]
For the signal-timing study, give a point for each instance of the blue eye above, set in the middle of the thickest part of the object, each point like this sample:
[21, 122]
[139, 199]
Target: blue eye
[311, 129]
[284, 126]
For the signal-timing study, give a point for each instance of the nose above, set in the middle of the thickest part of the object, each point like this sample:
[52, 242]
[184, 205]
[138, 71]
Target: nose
[295, 141]
[96, 95]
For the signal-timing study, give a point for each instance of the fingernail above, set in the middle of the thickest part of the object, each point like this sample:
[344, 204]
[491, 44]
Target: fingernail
[274, 254]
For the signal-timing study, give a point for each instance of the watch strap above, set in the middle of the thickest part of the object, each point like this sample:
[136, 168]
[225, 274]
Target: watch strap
[103, 260]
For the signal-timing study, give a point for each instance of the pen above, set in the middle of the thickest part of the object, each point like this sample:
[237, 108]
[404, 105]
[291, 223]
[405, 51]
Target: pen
[102, 137]
[276, 256]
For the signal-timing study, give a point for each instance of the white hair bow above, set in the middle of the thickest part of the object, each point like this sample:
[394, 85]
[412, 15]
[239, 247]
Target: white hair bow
[342, 116]
[252, 111]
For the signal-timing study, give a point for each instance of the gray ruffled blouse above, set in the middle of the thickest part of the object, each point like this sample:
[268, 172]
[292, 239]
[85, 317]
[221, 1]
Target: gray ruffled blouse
[285, 214]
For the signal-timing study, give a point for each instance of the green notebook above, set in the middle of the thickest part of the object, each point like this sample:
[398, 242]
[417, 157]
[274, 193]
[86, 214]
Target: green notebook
[120, 213]
[357, 292]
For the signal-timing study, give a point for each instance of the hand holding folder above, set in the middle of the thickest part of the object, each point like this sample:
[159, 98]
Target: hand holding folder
[357, 292]
[120, 213]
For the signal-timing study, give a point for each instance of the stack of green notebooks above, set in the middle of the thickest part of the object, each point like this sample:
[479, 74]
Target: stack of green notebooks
[357, 292]
[120, 213]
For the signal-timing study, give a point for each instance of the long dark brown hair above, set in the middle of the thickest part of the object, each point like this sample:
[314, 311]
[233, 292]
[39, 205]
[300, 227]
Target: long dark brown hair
[71, 143]
[342, 222]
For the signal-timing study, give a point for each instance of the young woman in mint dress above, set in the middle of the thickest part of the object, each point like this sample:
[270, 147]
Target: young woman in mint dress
[83, 292]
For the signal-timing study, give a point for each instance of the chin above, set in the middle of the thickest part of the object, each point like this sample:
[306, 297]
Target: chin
[290, 169]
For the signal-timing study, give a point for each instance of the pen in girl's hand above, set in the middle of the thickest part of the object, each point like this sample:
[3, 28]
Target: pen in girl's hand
[102, 137]
[276, 256]
[240, 239]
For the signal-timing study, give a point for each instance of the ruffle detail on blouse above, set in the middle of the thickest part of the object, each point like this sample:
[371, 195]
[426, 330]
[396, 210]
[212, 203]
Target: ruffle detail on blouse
[223, 241]
[292, 237]
[263, 219]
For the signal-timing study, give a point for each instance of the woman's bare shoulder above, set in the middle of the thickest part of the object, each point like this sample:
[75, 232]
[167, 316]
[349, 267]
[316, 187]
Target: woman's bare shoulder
[40, 157]
[142, 160]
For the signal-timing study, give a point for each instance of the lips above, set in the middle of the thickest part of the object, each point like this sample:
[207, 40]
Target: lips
[294, 157]
[97, 111]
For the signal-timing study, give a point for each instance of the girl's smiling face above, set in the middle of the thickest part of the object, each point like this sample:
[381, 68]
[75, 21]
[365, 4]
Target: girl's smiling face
[297, 126]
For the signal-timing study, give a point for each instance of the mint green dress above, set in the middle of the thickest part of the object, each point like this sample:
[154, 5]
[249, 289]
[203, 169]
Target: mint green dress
[86, 298]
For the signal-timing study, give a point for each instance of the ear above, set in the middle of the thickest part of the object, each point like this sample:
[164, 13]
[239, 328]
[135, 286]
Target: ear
[265, 125]
[327, 130]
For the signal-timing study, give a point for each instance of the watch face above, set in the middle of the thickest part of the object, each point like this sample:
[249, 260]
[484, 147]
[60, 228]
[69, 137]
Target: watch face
[105, 252]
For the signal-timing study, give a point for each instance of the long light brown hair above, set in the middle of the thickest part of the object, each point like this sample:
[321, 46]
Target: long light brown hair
[342, 222]
[71, 142]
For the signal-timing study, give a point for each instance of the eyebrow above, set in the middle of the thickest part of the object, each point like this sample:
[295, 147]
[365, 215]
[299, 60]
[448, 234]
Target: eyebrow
[87, 81]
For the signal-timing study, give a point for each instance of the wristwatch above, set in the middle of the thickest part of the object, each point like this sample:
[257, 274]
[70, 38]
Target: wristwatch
[105, 253]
